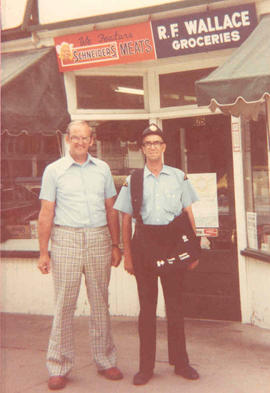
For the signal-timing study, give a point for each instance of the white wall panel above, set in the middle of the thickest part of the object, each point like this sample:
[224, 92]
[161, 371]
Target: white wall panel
[258, 283]
[25, 290]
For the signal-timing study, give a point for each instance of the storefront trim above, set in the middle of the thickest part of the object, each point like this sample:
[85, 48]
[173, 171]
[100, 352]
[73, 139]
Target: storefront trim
[260, 255]
[121, 15]
[19, 254]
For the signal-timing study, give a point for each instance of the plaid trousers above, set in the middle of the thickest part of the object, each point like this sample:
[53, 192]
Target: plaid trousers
[75, 251]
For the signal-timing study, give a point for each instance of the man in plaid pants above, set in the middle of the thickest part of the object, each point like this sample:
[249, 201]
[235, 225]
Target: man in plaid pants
[77, 197]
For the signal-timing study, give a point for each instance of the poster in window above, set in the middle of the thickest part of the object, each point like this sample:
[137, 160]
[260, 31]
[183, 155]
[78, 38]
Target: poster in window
[206, 209]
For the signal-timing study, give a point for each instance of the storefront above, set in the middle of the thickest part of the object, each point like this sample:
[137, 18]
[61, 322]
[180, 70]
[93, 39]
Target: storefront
[144, 70]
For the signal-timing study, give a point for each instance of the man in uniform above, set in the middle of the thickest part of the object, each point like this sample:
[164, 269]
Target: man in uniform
[166, 192]
[77, 213]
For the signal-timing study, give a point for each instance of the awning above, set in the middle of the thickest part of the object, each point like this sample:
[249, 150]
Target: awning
[242, 84]
[33, 93]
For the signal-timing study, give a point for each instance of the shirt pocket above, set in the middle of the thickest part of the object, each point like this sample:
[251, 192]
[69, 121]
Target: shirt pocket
[172, 199]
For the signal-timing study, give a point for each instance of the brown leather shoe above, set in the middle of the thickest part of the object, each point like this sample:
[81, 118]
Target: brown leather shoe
[57, 382]
[113, 373]
[187, 372]
[141, 378]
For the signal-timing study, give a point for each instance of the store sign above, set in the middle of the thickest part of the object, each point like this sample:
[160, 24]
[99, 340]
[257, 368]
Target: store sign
[208, 232]
[119, 45]
[203, 32]
[182, 35]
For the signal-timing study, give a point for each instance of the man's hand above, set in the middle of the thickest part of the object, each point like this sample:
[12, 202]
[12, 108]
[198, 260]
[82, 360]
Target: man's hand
[44, 264]
[116, 256]
[193, 265]
[128, 264]
[45, 222]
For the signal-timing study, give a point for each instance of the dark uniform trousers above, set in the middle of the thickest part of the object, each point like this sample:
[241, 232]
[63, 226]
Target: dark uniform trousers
[172, 285]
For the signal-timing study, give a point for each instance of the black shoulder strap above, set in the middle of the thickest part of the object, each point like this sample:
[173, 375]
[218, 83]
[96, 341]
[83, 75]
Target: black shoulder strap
[136, 189]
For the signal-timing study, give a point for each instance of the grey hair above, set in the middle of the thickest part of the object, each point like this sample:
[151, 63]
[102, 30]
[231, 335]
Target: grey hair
[77, 123]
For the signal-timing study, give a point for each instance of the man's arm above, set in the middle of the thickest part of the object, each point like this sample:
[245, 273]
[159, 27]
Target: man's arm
[45, 222]
[191, 217]
[189, 211]
[113, 224]
[127, 234]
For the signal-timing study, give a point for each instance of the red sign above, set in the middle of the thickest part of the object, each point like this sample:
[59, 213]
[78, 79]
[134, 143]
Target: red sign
[209, 232]
[119, 45]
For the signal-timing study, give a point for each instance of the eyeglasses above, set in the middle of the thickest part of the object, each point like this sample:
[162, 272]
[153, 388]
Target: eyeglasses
[155, 144]
[76, 139]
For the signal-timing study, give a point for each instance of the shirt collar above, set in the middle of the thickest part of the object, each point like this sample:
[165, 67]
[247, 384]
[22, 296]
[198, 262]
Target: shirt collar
[164, 170]
[70, 161]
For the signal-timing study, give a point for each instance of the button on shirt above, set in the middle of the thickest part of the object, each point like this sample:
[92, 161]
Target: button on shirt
[79, 191]
[164, 196]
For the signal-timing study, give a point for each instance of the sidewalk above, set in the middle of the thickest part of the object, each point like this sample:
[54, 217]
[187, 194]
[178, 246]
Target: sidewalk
[230, 357]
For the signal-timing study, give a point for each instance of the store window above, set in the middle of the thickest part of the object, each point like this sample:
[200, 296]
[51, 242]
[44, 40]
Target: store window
[178, 88]
[24, 159]
[257, 184]
[118, 144]
[110, 92]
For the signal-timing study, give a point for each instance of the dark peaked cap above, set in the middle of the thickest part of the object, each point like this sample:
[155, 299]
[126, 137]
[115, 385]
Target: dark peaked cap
[153, 129]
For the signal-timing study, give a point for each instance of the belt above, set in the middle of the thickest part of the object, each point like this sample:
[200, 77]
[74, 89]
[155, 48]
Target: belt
[80, 229]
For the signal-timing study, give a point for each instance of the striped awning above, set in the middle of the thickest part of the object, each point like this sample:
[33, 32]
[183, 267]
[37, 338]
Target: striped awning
[33, 93]
[241, 85]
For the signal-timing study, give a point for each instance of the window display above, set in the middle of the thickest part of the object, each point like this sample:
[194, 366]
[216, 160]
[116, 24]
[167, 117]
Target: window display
[117, 143]
[257, 184]
[24, 159]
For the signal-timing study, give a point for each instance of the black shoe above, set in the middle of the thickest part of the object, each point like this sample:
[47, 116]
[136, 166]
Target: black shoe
[142, 378]
[187, 372]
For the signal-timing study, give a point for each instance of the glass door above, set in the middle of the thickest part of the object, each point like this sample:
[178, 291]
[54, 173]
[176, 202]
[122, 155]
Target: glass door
[202, 146]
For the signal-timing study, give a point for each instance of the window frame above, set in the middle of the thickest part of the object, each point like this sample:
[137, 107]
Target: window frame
[255, 253]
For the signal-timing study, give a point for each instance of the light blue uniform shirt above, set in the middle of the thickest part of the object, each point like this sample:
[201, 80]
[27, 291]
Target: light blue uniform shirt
[79, 191]
[164, 196]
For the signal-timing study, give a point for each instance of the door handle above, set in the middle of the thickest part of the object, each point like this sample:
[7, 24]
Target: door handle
[233, 238]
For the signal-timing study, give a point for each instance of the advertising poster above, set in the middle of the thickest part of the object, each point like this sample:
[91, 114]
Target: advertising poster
[206, 209]
[252, 230]
[236, 136]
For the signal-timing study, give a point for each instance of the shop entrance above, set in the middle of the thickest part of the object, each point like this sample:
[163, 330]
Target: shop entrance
[202, 145]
